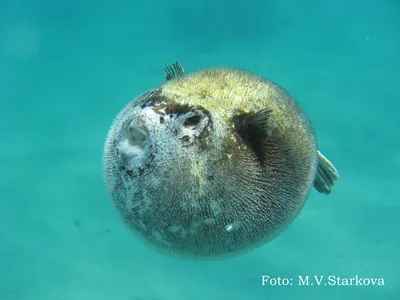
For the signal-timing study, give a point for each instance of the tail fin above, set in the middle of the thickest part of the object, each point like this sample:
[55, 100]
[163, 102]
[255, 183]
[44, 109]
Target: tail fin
[326, 176]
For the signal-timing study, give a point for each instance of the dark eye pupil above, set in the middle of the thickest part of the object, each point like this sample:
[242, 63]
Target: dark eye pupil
[192, 121]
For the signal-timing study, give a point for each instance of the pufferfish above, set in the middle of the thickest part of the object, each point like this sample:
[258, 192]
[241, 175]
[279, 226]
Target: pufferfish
[213, 163]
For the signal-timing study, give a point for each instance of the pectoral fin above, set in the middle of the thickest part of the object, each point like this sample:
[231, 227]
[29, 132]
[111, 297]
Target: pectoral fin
[254, 130]
[277, 153]
[326, 176]
[256, 123]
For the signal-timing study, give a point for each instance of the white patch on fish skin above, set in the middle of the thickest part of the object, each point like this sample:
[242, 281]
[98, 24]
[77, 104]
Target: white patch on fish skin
[208, 221]
[229, 227]
[144, 205]
[232, 226]
[215, 207]
[158, 237]
[142, 225]
[194, 228]
[177, 229]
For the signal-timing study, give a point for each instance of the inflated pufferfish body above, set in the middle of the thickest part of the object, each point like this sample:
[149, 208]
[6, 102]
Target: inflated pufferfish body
[212, 163]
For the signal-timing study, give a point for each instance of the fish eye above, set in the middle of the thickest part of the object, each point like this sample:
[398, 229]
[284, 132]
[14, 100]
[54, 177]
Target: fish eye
[192, 120]
[186, 138]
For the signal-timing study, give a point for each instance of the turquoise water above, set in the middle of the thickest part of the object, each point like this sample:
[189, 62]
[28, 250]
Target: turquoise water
[68, 67]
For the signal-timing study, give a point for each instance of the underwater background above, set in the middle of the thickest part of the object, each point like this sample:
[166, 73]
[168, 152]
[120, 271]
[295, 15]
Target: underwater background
[68, 67]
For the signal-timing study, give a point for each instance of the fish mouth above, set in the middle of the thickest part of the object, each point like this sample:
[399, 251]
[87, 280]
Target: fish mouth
[133, 144]
[137, 135]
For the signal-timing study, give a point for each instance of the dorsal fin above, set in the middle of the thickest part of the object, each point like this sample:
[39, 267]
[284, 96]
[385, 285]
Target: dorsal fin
[173, 71]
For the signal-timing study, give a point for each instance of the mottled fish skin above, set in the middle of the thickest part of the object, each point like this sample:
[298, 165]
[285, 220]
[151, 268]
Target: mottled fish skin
[212, 163]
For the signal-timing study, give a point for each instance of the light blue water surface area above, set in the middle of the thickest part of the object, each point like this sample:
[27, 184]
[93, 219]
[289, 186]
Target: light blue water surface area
[68, 67]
